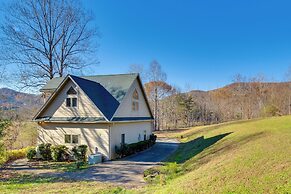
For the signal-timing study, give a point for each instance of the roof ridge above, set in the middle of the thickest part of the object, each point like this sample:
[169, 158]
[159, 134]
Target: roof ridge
[109, 74]
[85, 76]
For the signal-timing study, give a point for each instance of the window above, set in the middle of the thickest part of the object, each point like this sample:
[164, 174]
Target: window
[145, 135]
[135, 98]
[71, 102]
[72, 139]
[68, 102]
[74, 102]
[135, 95]
[135, 106]
[123, 138]
[67, 138]
[75, 139]
[71, 91]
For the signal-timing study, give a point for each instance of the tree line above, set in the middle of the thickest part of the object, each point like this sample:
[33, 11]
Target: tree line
[51, 38]
[245, 98]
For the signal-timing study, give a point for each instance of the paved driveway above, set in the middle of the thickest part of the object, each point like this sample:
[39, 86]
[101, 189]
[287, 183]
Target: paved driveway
[128, 171]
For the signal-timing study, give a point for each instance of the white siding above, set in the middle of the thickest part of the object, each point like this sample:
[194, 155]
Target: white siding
[131, 131]
[125, 108]
[57, 107]
[93, 135]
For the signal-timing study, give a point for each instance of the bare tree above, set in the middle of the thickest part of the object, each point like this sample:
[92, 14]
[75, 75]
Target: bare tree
[47, 38]
[157, 88]
[136, 68]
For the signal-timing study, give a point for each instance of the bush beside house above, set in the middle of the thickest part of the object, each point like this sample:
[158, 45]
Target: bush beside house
[80, 152]
[31, 153]
[129, 149]
[45, 151]
[59, 153]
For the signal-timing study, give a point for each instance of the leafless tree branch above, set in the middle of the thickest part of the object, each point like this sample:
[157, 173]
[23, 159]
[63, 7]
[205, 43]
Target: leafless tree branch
[47, 38]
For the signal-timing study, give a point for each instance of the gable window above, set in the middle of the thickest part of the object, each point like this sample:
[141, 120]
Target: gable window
[71, 139]
[135, 99]
[74, 102]
[68, 102]
[71, 100]
[71, 91]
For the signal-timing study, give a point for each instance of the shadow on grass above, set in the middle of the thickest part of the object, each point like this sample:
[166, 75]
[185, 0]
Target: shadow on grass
[194, 147]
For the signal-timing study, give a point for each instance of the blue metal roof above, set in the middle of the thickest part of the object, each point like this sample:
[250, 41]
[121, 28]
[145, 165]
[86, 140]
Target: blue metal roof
[105, 102]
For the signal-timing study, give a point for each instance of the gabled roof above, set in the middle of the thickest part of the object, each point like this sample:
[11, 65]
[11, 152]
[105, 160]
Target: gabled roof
[105, 102]
[117, 85]
[105, 91]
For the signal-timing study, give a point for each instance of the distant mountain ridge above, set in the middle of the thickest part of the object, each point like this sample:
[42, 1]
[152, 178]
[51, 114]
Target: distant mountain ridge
[12, 100]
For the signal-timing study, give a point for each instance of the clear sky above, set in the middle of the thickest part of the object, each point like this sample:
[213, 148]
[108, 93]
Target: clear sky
[198, 42]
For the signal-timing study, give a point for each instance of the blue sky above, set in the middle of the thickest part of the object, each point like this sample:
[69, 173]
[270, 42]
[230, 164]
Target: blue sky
[198, 42]
[202, 43]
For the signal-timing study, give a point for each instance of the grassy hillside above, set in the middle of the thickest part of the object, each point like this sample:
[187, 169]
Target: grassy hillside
[240, 157]
[237, 157]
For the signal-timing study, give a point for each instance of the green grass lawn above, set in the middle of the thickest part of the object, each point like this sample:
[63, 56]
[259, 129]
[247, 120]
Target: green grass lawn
[30, 184]
[238, 157]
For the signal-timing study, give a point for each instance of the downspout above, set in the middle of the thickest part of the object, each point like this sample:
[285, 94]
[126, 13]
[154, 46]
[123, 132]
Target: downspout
[109, 141]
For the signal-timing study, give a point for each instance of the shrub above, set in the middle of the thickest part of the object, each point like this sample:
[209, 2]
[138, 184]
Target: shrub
[151, 172]
[79, 164]
[80, 152]
[59, 153]
[122, 151]
[31, 153]
[16, 154]
[11, 155]
[45, 151]
[128, 149]
[153, 139]
[160, 174]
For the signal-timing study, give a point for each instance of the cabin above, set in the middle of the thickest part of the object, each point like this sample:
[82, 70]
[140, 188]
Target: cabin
[102, 112]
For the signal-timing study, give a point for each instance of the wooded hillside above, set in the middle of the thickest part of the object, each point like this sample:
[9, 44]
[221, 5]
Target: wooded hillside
[242, 100]
[18, 105]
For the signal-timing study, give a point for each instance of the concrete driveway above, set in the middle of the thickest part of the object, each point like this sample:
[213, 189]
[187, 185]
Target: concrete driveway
[127, 171]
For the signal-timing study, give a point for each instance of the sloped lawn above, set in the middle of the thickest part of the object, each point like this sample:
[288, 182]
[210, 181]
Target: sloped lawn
[238, 157]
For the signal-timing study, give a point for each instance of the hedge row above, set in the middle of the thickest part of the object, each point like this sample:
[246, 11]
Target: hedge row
[129, 149]
[58, 153]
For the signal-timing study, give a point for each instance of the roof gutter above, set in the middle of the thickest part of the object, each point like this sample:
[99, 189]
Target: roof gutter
[91, 122]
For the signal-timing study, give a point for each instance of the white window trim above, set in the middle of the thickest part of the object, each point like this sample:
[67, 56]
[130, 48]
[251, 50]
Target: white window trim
[71, 143]
[71, 96]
